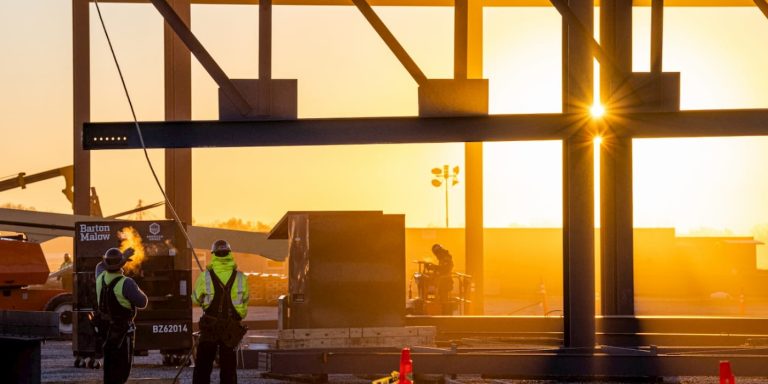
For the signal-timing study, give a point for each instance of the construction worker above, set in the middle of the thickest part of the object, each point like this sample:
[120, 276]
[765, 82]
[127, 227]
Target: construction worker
[66, 277]
[222, 292]
[66, 263]
[444, 278]
[118, 297]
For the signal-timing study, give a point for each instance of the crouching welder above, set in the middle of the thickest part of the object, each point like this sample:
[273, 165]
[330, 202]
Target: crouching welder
[118, 297]
[222, 292]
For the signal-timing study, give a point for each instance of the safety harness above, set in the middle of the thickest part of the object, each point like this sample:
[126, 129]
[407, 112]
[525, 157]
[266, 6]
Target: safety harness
[219, 303]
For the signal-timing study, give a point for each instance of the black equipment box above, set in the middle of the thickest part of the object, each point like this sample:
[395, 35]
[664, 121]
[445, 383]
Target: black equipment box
[161, 268]
[346, 269]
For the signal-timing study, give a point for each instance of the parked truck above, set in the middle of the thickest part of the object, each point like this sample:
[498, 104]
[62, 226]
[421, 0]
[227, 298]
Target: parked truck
[26, 283]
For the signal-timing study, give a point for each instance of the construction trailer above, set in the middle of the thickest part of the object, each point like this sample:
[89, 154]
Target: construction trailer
[161, 268]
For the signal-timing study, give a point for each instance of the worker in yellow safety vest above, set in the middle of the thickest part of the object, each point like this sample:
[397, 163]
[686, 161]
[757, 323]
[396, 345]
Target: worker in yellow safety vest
[222, 292]
[117, 297]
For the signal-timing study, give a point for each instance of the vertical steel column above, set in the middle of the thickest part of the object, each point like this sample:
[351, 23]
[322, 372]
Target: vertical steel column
[468, 63]
[657, 36]
[178, 106]
[616, 223]
[81, 104]
[265, 57]
[578, 184]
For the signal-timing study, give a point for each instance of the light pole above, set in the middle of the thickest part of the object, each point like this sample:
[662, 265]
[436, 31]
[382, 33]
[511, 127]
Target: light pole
[445, 174]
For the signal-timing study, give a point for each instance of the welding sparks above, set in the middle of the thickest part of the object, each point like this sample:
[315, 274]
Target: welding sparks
[130, 238]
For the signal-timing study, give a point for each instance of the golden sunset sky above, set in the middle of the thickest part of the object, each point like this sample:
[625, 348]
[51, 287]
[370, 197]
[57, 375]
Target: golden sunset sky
[344, 69]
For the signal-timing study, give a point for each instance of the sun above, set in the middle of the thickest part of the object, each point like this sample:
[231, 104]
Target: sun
[597, 111]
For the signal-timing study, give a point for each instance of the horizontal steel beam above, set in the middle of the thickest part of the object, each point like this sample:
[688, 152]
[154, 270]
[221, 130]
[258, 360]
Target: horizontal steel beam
[389, 130]
[400, 130]
[449, 3]
[529, 365]
[706, 123]
[669, 340]
[608, 325]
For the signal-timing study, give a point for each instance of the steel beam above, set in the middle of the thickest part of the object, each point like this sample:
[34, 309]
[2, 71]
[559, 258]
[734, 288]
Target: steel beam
[604, 324]
[265, 57]
[577, 26]
[616, 223]
[763, 5]
[468, 64]
[657, 36]
[193, 44]
[468, 40]
[528, 365]
[706, 123]
[336, 131]
[616, 226]
[578, 180]
[81, 104]
[391, 41]
[178, 106]
[400, 130]
[449, 3]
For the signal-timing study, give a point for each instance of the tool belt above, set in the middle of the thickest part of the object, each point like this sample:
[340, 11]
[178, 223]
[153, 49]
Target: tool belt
[227, 331]
[110, 333]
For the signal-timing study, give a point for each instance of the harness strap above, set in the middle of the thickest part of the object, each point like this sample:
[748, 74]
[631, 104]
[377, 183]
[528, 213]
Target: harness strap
[106, 288]
[225, 290]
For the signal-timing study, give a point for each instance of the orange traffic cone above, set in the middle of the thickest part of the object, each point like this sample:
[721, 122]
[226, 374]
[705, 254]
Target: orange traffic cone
[406, 367]
[726, 375]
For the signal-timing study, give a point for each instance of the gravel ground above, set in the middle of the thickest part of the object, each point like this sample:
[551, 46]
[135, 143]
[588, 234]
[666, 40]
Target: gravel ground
[57, 367]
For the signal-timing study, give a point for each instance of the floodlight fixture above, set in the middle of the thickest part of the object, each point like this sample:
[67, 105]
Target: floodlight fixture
[441, 177]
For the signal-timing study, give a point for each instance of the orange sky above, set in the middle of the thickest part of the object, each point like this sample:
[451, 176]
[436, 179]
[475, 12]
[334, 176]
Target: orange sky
[345, 70]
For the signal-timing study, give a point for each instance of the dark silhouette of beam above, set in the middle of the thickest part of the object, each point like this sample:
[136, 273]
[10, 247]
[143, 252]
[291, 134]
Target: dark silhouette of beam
[391, 41]
[657, 36]
[397, 130]
[449, 3]
[81, 104]
[335, 131]
[616, 202]
[763, 6]
[202, 55]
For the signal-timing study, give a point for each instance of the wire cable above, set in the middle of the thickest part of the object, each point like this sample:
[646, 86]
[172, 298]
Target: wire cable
[168, 204]
[141, 140]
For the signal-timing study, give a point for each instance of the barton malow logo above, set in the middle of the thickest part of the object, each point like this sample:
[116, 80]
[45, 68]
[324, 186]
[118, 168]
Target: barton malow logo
[94, 232]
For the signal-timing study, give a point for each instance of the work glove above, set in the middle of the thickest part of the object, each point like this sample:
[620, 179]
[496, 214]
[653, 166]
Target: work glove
[127, 254]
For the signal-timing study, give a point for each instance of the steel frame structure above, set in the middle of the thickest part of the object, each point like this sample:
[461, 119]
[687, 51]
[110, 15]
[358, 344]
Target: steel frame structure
[639, 105]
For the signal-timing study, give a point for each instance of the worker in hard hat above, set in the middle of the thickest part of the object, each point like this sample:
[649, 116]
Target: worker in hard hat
[67, 263]
[222, 292]
[444, 272]
[118, 298]
[66, 276]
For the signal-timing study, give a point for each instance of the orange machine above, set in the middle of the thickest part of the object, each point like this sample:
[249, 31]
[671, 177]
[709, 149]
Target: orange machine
[22, 264]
